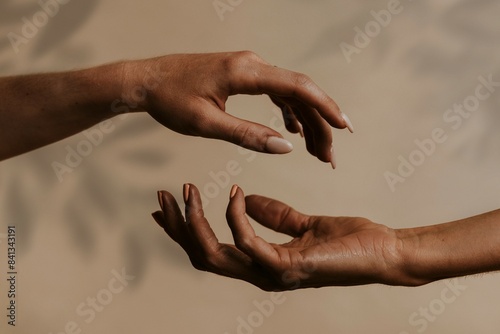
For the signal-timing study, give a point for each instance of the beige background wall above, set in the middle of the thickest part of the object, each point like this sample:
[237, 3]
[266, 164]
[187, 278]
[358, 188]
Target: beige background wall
[73, 234]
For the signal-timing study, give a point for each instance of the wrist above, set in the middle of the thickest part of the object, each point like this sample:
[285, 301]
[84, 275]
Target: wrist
[141, 79]
[410, 264]
[458, 248]
[97, 91]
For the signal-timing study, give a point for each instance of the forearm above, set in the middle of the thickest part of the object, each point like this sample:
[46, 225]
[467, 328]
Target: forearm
[37, 110]
[463, 247]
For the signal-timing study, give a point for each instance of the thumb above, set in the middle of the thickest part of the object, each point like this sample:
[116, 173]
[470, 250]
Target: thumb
[247, 134]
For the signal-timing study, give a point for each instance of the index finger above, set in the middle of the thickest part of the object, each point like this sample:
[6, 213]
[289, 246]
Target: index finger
[244, 235]
[271, 80]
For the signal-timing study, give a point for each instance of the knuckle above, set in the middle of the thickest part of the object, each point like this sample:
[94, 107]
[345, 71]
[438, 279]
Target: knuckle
[243, 134]
[248, 56]
[237, 60]
[194, 214]
[302, 80]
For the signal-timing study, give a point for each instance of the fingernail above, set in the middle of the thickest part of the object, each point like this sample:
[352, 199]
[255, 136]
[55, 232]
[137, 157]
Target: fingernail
[348, 122]
[333, 159]
[160, 199]
[186, 192]
[278, 145]
[233, 191]
[301, 130]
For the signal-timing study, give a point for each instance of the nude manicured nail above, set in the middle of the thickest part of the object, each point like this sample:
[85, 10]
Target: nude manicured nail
[233, 191]
[278, 145]
[186, 192]
[348, 122]
[333, 159]
[301, 130]
[160, 199]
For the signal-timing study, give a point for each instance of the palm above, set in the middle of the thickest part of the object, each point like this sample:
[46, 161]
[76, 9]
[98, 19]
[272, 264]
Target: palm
[347, 250]
[333, 235]
[324, 251]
